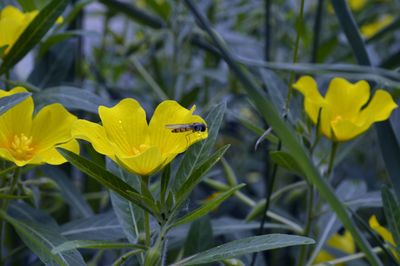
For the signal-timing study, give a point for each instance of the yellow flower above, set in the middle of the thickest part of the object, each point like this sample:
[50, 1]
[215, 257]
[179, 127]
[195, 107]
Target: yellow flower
[385, 234]
[357, 5]
[13, 22]
[344, 243]
[33, 140]
[343, 114]
[130, 141]
[369, 30]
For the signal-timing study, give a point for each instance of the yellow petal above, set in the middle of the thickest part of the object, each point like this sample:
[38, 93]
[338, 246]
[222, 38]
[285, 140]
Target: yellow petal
[344, 130]
[357, 5]
[125, 125]
[325, 125]
[345, 98]
[52, 126]
[144, 163]
[5, 154]
[382, 231]
[343, 242]
[52, 156]
[18, 119]
[323, 256]
[95, 134]
[170, 113]
[385, 234]
[313, 100]
[9, 30]
[380, 107]
[12, 12]
[370, 29]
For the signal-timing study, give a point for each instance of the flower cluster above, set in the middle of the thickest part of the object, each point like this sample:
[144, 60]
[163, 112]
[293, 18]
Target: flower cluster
[124, 136]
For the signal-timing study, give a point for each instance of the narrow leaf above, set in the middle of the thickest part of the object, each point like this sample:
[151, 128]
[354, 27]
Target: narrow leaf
[207, 207]
[391, 208]
[68, 191]
[129, 215]
[72, 98]
[139, 15]
[106, 178]
[93, 244]
[33, 33]
[286, 161]
[196, 176]
[98, 227]
[245, 246]
[10, 101]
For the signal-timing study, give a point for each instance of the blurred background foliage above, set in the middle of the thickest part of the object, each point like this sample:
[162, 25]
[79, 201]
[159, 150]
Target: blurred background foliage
[152, 50]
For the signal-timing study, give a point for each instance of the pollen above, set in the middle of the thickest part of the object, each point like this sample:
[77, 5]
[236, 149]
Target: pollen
[21, 147]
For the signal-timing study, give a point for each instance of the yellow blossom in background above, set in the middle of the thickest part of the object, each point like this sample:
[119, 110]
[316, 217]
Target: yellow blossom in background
[357, 5]
[344, 243]
[13, 22]
[342, 112]
[370, 29]
[140, 147]
[385, 234]
[33, 140]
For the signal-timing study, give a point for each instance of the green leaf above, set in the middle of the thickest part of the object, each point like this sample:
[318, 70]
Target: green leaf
[128, 214]
[187, 187]
[286, 161]
[68, 191]
[199, 237]
[94, 244]
[7, 196]
[207, 207]
[106, 178]
[27, 5]
[165, 177]
[136, 14]
[72, 98]
[10, 101]
[200, 150]
[59, 37]
[33, 33]
[40, 233]
[103, 226]
[54, 67]
[391, 208]
[245, 246]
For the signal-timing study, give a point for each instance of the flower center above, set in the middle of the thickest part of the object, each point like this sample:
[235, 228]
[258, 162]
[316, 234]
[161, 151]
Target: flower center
[142, 148]
[21, 147]
[337, 119]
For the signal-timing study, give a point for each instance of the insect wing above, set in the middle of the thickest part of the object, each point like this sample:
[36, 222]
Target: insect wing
[177, 126]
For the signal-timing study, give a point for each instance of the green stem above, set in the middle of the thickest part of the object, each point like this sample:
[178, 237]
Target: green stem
[4, 207]
[295, 57]
[124, 257]
[317, 31]
[268, 194]
[332, 157]
[145, 185]
[307, 229]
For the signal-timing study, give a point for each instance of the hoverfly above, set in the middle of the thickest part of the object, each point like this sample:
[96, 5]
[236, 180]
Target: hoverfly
[194, 127]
